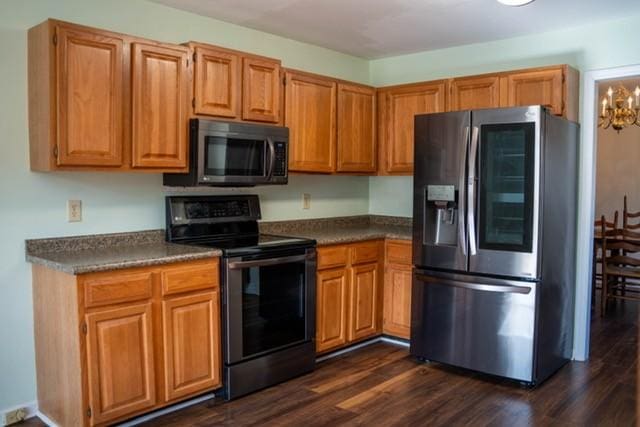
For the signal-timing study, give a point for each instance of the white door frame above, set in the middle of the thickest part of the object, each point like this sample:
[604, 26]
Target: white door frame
[586, 203]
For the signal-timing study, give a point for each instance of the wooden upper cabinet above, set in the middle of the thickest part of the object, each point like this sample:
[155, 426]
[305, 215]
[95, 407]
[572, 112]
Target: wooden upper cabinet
[261, 90]
[89, 84]
[397, 107]
[468, 93]
[192, 340]
[310, 116]
[217, 82]
[120, 362]
[356, 143]
[160, 118]
[541, 87]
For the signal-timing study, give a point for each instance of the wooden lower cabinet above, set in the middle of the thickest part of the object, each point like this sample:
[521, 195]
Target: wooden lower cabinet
[120, 362]
[331, 312]
[116, 344]
[348, 296]
[191, 326]
[397, 289]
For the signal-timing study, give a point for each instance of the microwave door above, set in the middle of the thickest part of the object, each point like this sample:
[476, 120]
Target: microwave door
[503, 216]
[233, 159]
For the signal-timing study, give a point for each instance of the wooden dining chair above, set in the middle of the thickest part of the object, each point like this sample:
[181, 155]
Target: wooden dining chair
[630, 220]
[596, 274]
[619, 264]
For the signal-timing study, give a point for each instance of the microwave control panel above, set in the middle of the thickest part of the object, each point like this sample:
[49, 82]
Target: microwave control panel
[280, 168]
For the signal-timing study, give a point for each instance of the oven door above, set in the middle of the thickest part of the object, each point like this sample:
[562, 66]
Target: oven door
[233, 158]
[269, 303]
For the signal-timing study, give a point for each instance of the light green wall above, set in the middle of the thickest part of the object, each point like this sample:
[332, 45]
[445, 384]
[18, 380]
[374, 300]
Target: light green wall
[590, 47]
[34, 204]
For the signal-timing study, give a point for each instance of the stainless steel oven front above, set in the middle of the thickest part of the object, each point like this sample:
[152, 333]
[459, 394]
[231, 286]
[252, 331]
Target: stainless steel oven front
[229, 153]
[269, 303]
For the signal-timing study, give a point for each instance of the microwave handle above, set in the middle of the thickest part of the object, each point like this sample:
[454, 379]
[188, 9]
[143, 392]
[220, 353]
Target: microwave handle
[272, 158]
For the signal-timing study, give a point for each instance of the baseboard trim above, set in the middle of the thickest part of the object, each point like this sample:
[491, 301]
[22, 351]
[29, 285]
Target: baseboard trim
[167, 410]
[30, 407]
[385, 338]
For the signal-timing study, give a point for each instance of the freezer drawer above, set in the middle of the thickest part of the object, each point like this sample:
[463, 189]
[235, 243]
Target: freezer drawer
[482, 324]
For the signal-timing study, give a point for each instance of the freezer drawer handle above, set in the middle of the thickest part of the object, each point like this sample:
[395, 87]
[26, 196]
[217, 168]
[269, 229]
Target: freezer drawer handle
[505, 289]
[265, 262]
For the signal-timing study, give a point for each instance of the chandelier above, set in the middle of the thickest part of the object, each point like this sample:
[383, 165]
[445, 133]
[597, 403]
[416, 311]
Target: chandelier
[620, 109]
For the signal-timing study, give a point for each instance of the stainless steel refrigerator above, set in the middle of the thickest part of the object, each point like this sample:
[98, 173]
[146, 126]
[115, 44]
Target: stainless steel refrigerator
[495, 211]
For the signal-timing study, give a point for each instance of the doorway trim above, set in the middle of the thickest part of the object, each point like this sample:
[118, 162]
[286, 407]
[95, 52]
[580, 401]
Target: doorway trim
[586, 203]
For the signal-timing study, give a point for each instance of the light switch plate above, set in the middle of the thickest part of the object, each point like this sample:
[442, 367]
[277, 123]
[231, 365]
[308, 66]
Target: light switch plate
[74, 210]
[306, 201]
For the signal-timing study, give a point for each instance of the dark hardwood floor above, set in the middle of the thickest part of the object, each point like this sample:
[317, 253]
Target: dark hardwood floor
[382, 385]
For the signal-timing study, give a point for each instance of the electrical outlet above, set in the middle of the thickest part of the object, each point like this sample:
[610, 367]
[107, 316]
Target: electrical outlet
[306, 201]
[74, 210]
[15, 416]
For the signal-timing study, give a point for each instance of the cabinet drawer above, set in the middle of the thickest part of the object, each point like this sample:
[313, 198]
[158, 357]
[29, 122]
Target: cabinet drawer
[365, 252]
[399, 253]
[112, 288]
[190, 277]
[332, 256]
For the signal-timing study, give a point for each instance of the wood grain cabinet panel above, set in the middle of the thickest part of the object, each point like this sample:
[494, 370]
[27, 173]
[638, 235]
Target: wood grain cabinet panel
[192, 277]
[160, 99]
[468, 93]
[261, 90]
[310, 115]
[120, 362]
[113, 288]
[397, 107]
[363, 313]
[356, 141]
[543, 87]
[89, 79]
[332, 305]
[332, 256]
[217, 82]
[397, 301]
[191, 326]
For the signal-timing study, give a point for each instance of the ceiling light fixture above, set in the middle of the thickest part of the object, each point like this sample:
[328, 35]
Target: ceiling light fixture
[614, 111]
[515, 2]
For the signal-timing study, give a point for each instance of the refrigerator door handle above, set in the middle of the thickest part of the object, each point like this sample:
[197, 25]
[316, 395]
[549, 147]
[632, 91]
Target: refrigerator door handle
[471, 196]
[504, 289]
[462, 236]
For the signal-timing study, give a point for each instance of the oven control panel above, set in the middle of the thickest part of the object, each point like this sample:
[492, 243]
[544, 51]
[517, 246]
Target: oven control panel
[211, 209]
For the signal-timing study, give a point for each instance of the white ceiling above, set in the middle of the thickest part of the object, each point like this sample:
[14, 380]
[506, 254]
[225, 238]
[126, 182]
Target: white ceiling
[381, 28]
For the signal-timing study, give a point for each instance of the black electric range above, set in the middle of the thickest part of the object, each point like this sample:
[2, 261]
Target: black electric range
[268, 289]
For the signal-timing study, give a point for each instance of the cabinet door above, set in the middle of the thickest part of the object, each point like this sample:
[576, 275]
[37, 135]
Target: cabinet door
[192, 339]
[89, 79]
[261, 90]
[543, 87]
[331, 309]
[363, 310]
[397, 301]
[356, 131]
[159, 105]
[120, 362]
[311, 118]
[469, 93]
[217, 77]
[397, 109]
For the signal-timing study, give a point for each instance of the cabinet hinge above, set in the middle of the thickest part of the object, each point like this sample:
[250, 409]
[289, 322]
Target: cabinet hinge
[84, 328]
[193, 102]
[194, 57]
[564, 78]
[563, 106]
[55, 39]
[89, 413]
[284, 80]
[55, 151]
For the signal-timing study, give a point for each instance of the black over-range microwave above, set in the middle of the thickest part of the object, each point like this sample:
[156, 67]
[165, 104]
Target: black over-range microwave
[234, 154]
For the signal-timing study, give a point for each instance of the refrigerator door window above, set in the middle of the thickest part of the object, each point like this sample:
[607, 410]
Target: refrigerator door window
[506, 187]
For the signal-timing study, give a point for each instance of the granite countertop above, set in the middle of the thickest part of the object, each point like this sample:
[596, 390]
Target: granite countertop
[328, 231]
[102, 252]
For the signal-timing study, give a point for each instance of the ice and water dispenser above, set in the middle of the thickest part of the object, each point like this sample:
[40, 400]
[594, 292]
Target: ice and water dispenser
[441, 215]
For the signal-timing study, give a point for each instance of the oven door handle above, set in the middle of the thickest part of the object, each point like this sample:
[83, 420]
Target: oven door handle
[235, 265]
